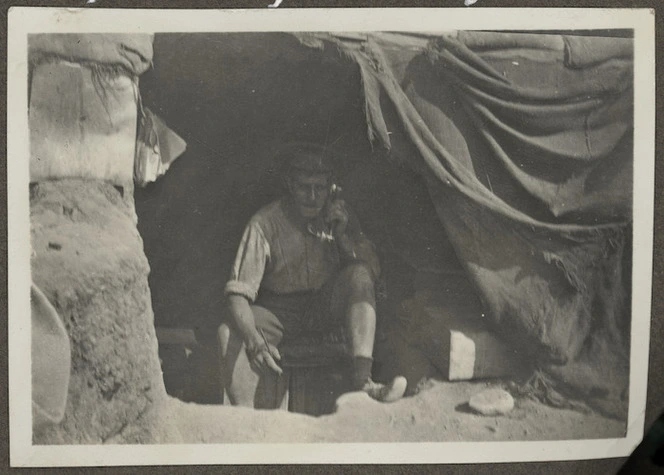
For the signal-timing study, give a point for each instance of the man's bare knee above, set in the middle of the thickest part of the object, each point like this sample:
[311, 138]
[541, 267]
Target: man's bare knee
[358, 275]
[355, 284]
[359, 284]
[223, 338]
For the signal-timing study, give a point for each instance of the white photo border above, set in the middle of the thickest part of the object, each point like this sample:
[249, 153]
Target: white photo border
[25, 20]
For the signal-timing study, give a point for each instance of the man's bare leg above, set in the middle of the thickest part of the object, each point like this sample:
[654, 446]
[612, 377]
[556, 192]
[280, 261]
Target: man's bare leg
[361, 325]
[238, 378]
[362, 328]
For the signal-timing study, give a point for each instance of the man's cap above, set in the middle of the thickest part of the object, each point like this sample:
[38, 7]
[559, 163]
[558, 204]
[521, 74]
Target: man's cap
[305, 157]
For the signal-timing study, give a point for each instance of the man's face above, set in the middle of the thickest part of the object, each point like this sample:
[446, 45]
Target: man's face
[310, 192]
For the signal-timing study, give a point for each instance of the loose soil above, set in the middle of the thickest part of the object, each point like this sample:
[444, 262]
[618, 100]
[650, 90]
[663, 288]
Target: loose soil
[439, 413]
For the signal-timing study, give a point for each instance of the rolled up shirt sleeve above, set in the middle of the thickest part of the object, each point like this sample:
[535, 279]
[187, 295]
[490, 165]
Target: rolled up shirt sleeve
[250, 262]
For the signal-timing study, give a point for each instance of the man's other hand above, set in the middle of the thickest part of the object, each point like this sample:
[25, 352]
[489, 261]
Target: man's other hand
[337, 215]
[263, 357]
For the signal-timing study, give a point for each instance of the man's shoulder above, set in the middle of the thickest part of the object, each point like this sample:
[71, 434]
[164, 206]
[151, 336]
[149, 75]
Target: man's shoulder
[268, 214]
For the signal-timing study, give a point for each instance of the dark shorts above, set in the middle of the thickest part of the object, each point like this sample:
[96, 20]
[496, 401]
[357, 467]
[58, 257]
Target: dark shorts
[284, 317]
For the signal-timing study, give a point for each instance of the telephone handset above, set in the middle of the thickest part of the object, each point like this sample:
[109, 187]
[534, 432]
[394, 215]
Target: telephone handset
[321, 228]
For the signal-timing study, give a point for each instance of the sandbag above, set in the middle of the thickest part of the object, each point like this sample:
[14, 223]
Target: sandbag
[82, 123]
[132, 52]
[584, 51]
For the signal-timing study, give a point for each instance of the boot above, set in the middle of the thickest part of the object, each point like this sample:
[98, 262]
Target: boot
[386, 392]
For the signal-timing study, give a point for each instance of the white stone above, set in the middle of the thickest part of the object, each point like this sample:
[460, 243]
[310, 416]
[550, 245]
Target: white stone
[492, 402]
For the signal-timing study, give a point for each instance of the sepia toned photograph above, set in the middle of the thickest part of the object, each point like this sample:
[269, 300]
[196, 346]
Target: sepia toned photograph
[304, 235]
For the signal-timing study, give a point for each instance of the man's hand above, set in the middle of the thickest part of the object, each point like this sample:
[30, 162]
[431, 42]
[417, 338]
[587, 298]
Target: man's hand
[337, 215]
[264, 356]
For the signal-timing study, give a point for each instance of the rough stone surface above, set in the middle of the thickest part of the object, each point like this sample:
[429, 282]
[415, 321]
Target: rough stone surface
[87, 257]
[492, 402]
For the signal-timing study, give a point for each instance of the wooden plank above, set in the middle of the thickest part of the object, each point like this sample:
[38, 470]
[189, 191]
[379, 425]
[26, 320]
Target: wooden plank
[475, 355]
[309, 355]
[466, 349]
[462, 356]
[314, 390]
[176, 336]
[272, 391]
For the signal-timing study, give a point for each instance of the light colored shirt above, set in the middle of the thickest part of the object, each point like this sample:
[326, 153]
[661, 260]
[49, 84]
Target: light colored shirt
[278, 254]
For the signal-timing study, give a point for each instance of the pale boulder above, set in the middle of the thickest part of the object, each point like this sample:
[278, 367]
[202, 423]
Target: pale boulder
[492, 402]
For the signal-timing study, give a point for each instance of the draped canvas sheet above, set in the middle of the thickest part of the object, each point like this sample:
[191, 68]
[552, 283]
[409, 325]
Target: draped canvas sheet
[526, 145]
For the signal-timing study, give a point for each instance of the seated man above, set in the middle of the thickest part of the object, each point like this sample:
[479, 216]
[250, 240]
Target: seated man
[303, 267]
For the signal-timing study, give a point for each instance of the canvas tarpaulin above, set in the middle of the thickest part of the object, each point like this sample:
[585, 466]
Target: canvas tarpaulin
[525, 142]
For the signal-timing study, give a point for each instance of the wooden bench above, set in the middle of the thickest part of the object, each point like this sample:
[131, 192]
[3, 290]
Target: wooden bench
[315, 374]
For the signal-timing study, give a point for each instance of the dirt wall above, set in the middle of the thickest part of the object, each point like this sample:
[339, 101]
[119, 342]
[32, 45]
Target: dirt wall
[87, 257]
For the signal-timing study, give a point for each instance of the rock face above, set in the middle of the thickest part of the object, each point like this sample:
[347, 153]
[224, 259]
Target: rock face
[87, 258]
[492, 402]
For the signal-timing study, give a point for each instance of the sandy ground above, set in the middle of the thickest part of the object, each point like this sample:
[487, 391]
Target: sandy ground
[438, 413]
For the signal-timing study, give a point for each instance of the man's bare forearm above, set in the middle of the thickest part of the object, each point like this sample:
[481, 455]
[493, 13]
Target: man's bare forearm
[244, 319]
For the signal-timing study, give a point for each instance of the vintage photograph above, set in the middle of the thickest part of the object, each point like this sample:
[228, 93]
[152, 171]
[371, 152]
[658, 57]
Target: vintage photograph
[327, 236]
